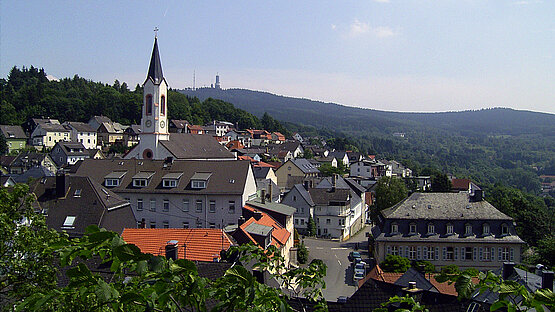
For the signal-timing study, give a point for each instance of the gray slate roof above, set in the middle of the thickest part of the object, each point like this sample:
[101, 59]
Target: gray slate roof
[155, 68]
[277, 207]
[73, 148]
[444, 206]
[12, 132]
[228, 177]
[258, 229]
[80, 126]
[324, 196]
[304, 193]
[305, 166]
[261, 172]
[194, 146]
[327, 183]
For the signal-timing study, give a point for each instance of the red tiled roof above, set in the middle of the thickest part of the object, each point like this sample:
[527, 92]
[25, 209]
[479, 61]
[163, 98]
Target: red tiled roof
[234, 144]
[460, 184]
[262, 164]
[200, 244]
[274, 164]
[279, 235]
[195, 127]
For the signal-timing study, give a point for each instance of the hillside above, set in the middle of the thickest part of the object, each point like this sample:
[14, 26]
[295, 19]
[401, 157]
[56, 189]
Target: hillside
[490, 146]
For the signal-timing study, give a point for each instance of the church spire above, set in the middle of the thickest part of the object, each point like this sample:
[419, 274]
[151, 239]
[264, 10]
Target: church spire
[155, 68]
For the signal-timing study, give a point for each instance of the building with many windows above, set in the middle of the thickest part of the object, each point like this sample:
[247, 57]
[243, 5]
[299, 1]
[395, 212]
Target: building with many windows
[448, 228]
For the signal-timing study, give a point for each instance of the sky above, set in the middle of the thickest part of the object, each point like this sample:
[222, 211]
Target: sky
[394, 55]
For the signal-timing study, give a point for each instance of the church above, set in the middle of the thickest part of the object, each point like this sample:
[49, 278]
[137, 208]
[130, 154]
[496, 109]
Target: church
[155, 140]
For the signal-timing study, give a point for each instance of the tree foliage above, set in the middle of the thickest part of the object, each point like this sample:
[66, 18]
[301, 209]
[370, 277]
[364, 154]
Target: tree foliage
[395, 264]
[311, 226]
[389, 191]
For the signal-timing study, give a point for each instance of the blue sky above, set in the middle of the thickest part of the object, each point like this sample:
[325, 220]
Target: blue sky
[410, 55]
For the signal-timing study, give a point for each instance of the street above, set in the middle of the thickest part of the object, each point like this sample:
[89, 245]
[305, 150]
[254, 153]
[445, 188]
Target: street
[339, 277]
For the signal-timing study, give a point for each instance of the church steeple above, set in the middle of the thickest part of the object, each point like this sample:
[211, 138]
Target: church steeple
[155, 68]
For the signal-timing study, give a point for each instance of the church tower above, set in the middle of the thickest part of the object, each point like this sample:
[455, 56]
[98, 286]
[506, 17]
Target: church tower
[154, 121]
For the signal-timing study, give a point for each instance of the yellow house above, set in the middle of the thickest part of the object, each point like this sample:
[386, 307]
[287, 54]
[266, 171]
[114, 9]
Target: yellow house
[295, 171]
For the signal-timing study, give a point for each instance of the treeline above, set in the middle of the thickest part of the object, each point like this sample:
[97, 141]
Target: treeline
[27, 93]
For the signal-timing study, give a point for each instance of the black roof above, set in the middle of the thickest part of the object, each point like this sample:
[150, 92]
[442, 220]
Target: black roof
[155, 68]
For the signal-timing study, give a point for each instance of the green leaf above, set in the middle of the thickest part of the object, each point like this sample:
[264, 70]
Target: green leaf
[127, 252]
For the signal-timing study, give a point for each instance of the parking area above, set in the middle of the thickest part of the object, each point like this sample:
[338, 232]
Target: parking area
[339, 277]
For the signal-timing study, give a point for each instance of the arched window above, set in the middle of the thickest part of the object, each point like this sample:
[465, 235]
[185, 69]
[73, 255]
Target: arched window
[163, 105]
[149, 104]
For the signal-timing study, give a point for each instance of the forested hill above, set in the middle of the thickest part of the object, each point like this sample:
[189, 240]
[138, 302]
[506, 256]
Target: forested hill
[497, 121]
[489, 146]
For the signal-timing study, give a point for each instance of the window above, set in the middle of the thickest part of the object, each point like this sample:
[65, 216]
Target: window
[111, 182]
[296, 221]
[302, 221]
[163, 105]
[199, 205]
[450, 253]
[152, 204]
[505, 254]
[185, 225]
[431, 228]
[485, 229]
[412, 228]
[231, 206]
[486, 256]
[212, 225]
[152, 224]
[450, 229]
[166, 205]
[468, 229]
[467, 253]
[430, 253]
[212, 207]
[395, 250]
[77, 193]
[328, 221]
[166, 224]
[139, 204]
[394, 228]
[504, 229]
[69, 221]
[199, 224]
[196, 184]
[139, 182]
[412, 253]
[325, 231]
[149, 104]
[170, 183]
[294, 198]
[185, 206]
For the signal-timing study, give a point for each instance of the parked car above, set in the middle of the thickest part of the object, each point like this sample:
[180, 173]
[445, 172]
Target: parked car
[360, 267]
[342, 299]
[358, 276]
[353, 255]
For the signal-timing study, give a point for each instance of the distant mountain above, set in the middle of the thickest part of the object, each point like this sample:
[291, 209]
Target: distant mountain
[496, 121]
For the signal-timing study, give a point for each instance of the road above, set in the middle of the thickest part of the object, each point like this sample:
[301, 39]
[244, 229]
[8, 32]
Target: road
[339, 277]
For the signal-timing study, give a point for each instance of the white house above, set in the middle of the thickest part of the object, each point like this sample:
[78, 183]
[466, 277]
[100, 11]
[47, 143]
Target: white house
[82, 133]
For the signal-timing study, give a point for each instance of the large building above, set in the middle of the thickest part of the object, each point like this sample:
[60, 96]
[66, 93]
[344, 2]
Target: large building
[177, 194]
[155, 140]
[448, 228]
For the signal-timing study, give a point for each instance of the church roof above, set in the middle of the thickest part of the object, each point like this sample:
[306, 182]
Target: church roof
[155, 68]
[192, 146]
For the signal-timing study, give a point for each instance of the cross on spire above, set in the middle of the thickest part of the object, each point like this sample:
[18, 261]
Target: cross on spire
[156, 32]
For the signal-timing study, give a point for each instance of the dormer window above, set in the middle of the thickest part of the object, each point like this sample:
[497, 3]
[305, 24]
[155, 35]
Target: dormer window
[485, 229]
[504, 229]
[468, 229]
[394, 228]
[171, 180]
[450, 229]
[142, 179]
[114, 178]
[412, 228]
[431, 228]
[200, 179]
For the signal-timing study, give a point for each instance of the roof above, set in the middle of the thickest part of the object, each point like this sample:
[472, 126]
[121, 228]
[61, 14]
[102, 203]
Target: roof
[191, 146]
[201, 176]
[12, 132]
[179, 123]
[89, 205]
[445, 206]
[35, 173]
[7, 160]
[327, 183]
[305, 166]
[304, 193]
[228, 176]
[173, 175]
[143, 175]
[261, 172]
[133, 129]
[28, 159]
[280, 235]
[272, 206]
[460, 184]
[53, 127]
[79, 126]
[325, 196]
[200, 244]
[73, 148]
[155, 67]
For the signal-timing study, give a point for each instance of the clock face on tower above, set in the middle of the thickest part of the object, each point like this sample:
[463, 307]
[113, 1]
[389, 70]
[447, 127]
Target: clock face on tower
[148, 123]
[162, 124]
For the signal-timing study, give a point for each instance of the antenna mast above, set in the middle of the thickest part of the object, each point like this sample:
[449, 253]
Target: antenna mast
[194, 80]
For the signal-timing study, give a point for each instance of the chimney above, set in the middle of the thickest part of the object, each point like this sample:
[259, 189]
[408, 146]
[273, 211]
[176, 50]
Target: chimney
[547, 280]
[270, 190]
[263, 196]
[508, 269]
[171, 249]
[334, 181]
[241, 220]
[257, 215]
[412, 291]
[62, 184]
[539, 269]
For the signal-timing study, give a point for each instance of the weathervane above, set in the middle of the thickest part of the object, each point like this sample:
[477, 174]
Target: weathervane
[156, 32]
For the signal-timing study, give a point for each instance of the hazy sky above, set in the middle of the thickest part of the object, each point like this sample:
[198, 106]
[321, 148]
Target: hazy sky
[400, 55]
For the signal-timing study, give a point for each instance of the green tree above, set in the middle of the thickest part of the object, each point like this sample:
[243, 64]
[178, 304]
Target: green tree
[308, 154]
[3, 145]
[311, 226]
[389, 191]
[441, 183]
[425, 266]
[302, 254]
[395, 264]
